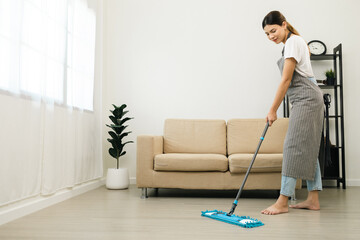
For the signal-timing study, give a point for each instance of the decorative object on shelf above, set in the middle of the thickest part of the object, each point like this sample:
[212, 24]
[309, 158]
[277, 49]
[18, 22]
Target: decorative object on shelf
[321, 81]
[330, 77]
[317, 47]
[118, 178]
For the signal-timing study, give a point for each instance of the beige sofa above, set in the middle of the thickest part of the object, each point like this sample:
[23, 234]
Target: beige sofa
[211, 154]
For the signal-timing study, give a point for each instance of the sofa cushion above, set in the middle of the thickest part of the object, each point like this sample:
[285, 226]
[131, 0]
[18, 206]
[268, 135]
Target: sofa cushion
[191, 162]
[243, 136]
[239, 163]
[195, 136]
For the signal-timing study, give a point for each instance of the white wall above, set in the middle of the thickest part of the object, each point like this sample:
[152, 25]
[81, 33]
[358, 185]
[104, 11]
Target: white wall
[211, 59]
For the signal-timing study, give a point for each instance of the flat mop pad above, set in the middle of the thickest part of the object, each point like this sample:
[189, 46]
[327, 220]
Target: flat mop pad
[242, 221]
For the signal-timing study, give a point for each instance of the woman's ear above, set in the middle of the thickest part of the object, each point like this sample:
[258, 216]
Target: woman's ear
[284, 24]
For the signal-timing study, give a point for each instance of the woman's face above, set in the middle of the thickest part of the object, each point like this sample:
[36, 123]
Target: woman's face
[276, 33]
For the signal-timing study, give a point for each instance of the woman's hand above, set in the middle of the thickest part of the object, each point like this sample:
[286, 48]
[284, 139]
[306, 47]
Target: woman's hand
[271, 117]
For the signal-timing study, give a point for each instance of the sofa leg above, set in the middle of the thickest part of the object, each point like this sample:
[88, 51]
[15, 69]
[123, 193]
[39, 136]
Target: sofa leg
[293, 197]
[144, 193]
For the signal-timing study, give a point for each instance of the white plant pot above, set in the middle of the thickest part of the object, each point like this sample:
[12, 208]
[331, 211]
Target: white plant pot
[117, 178]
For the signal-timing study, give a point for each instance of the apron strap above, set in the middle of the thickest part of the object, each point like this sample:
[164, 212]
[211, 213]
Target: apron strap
[282, 53]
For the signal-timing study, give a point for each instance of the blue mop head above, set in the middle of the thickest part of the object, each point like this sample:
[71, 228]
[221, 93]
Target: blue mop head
[242, 221]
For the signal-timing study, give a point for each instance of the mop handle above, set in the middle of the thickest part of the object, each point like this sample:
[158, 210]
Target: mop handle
[248, 171]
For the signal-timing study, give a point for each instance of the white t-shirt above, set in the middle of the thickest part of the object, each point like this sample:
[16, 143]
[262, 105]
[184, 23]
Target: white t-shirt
[297, 48]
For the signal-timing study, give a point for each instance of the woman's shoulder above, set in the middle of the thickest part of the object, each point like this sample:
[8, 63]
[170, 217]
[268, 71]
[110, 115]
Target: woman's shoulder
[296, 40]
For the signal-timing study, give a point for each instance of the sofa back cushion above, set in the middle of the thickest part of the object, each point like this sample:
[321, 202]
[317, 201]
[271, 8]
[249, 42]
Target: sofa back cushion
[195, 136]
[243, 135]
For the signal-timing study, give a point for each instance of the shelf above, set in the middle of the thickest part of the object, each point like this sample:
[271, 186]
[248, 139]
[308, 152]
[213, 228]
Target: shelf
[332, 178]
[324, 57]
[333, 146]
[329, 86]
[338, 116]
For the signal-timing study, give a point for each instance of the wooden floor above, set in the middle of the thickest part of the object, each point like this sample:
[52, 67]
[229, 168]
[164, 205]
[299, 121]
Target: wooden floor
[175, 214]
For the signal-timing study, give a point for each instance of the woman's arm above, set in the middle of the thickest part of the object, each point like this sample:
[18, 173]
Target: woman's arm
[288, 71]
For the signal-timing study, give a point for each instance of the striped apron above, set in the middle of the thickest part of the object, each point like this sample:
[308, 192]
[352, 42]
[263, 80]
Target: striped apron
[302, 141]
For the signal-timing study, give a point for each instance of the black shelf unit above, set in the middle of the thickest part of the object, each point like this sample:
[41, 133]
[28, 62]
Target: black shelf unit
[338, 104]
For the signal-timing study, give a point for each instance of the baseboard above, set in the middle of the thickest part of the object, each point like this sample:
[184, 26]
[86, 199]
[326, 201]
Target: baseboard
[133, 180]
[353, 182]
[333, 183]
[29, 206]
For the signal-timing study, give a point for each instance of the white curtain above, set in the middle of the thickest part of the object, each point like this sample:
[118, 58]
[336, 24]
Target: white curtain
[50, 99]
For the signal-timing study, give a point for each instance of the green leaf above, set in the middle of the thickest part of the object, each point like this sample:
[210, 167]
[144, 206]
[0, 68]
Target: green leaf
[124, 135]
[113, 153]
[121, 129]
[123, 153]
[118, 112]
[117, 128]
[116, 143]
[124, 120]
[330, 73]
[120, 148]
[114, 120]
[113, 135]
[127, 142]
[110, 126]
[125, 112]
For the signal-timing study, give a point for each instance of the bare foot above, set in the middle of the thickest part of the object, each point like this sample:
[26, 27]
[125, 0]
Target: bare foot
[308, 204]
[275, 209]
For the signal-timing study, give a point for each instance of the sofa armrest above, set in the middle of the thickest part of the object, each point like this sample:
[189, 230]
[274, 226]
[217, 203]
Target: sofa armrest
[147, 148]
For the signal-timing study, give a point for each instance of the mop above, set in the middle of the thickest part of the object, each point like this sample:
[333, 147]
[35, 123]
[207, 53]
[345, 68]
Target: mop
[242, 221]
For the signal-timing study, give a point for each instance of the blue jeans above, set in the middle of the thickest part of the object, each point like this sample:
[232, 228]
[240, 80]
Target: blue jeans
[288, 183]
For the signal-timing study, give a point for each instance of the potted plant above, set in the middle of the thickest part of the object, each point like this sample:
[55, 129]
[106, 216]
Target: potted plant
[330, 77]
[118, 178]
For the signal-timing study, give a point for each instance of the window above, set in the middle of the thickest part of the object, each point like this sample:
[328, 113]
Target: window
[48, 49]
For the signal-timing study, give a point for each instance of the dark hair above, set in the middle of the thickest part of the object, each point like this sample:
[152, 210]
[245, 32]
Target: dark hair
[275, 17]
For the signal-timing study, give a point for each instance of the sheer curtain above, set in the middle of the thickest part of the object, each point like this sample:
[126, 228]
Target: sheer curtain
[50, 108]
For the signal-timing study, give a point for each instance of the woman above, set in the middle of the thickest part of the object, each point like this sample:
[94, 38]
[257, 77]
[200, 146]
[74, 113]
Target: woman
[302, 142]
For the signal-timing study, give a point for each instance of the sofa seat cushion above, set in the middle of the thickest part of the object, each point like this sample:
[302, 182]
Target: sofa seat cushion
[239, 163]
[191, 162]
